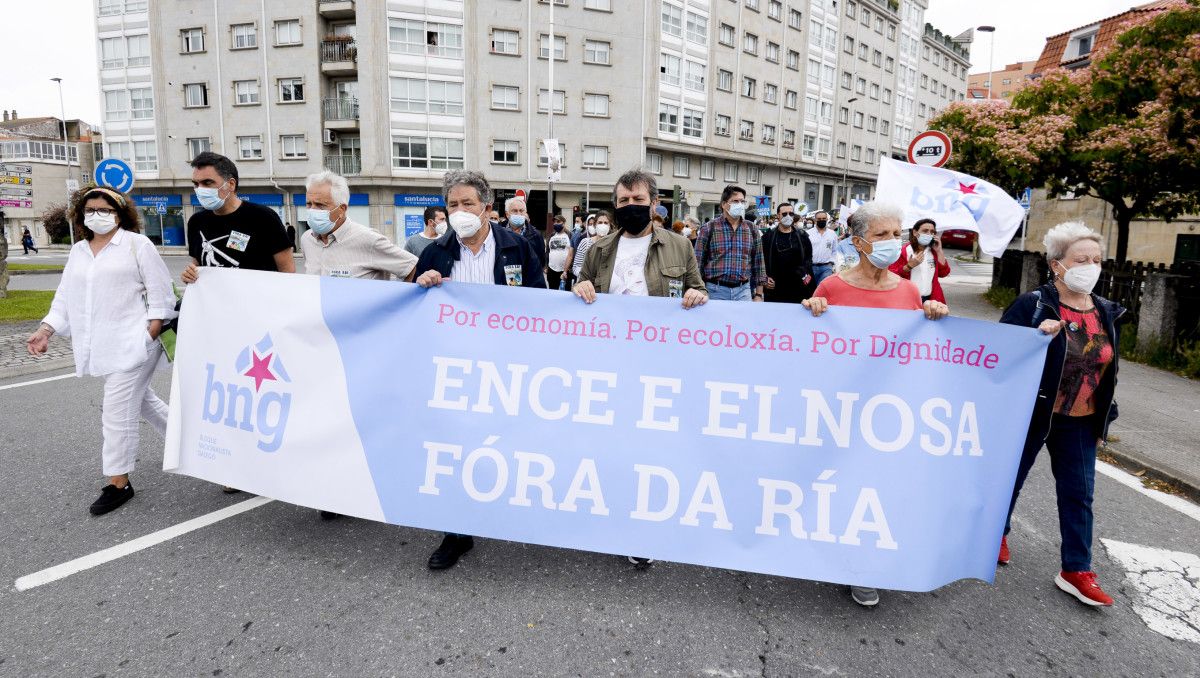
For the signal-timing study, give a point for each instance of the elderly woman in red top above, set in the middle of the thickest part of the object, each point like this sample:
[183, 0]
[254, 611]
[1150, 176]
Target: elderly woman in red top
[922, 261]
[875, 233]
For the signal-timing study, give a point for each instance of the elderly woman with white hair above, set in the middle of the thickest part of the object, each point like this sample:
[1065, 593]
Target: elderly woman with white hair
[875, 236]
[337, 247]
[1075, 401]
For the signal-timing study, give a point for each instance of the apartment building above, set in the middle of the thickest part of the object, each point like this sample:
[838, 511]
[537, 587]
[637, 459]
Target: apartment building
[794, 100]
[36, 164]
[1004, 83]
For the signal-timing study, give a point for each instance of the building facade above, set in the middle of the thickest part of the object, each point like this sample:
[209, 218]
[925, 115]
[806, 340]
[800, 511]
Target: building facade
[795, 101]
[35, 166]
[1004, 83]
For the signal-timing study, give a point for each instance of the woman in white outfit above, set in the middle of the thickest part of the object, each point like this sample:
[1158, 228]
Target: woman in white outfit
[114, 295]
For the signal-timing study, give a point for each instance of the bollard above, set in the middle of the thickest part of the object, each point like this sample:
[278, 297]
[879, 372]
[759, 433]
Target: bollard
[1156, 317]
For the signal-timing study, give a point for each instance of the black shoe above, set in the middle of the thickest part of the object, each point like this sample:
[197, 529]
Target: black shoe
[446, 555]
[111, 498]
[640, 563]
[230, 490]
[330, 515]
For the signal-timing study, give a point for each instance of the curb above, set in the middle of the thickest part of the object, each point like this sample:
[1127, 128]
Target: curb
[36, 367]
[37, 272]
[1133, 462]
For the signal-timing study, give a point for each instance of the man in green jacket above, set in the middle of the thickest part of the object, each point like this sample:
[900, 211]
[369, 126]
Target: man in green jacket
[638, 259]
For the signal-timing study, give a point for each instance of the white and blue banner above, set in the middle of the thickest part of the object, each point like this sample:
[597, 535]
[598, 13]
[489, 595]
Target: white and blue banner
[865, 446]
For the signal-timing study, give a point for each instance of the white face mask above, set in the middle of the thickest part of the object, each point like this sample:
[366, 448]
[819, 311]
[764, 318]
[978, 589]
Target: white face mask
[687, 231]
[465, 224]
[440, 228]
[787, 220]
[1082, 278]
[99, 223]
[602, 229]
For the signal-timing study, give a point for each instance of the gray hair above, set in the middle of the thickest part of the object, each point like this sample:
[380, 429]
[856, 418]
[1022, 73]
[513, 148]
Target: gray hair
[632, 179]
[871, 212]
[1060, 238]
[509, 203]
[462, 177]
[339, 190]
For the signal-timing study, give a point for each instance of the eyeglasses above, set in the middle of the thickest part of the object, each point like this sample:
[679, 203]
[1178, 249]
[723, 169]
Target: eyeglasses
[102, 211]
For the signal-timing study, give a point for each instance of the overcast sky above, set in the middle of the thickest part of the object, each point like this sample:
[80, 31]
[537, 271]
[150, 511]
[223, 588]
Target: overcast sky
[1022, 26]
[43, 39]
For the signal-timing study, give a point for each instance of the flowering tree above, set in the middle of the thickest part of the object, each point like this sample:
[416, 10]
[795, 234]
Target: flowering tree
[1125, 130]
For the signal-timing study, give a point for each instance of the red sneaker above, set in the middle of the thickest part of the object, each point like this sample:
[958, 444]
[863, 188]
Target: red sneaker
[1083, 586]
[1003, 558]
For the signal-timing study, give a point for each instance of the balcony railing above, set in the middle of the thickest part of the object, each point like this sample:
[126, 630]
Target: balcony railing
[345, 165]
[333, 51]
[341, 109]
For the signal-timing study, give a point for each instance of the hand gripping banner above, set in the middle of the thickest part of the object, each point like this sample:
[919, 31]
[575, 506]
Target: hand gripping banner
[864, 447]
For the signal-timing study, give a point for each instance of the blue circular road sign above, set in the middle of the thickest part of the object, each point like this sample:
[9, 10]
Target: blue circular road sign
[114, 173]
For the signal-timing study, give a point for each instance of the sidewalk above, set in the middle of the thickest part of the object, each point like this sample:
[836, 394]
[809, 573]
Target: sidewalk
[15, 360]
[1157, 429]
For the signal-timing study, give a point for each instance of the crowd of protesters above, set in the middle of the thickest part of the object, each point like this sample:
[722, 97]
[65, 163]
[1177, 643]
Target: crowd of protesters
[116, 297]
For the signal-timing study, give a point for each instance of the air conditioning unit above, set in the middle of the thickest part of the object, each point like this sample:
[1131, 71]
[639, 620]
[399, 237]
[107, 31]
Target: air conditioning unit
[329, 137]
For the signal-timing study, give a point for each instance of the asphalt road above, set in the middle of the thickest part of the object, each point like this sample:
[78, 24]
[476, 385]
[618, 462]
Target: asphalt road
[275, 591]
[49, 281]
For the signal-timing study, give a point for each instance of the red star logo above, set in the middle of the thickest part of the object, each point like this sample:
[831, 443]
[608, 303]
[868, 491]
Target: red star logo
[260, 371]
[966, 189]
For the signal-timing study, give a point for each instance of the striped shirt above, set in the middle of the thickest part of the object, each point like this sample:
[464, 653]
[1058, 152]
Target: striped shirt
[476, 268]
[581, 254]
[355, 251]
[730, 255]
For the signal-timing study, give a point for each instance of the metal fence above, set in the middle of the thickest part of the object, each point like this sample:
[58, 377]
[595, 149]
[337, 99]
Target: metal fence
[345, 165]
[338, 50]
[340, 108]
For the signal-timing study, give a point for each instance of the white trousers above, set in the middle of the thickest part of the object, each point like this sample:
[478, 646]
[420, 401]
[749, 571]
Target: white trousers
[127, 399]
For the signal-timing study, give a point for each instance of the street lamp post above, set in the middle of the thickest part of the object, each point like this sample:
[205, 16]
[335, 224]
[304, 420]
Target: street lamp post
[67, 154]
[846, 169]
[991, 30]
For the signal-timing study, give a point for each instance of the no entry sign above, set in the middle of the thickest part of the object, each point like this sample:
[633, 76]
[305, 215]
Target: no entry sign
[930, 148]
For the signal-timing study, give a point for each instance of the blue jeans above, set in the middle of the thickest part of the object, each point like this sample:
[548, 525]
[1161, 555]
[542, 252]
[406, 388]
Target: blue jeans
[821, 272]
[1072, 447]
[739, 293]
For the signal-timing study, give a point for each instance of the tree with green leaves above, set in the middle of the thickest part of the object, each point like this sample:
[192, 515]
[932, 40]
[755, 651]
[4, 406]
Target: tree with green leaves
[1125, 130]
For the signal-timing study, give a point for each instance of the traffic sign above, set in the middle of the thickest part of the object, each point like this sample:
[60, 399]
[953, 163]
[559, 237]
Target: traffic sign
[520, 193]
[114, 173]
[931, 148]
[160, 208]
[1025, 197]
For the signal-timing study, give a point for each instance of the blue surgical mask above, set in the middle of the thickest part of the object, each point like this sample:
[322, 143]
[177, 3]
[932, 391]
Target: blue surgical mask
[884, 253]
[516, 219]
[924, 239]
[209, 197]
[319, 221]
[737, 210]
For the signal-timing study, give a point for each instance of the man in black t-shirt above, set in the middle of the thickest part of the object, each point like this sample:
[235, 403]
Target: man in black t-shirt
[230, 232]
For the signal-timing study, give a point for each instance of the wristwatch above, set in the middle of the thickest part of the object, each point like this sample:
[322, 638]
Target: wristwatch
[757, 296]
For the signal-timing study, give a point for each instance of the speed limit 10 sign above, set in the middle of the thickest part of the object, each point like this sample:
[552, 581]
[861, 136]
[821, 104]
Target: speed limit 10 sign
[930, 148]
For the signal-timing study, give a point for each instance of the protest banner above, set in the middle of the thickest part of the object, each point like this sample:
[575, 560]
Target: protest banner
[869, 447]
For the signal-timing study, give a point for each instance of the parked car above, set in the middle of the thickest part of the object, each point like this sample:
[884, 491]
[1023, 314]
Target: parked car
[959, 238]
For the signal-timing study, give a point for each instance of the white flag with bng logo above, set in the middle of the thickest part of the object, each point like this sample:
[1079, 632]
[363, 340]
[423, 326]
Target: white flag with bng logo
[953, 199]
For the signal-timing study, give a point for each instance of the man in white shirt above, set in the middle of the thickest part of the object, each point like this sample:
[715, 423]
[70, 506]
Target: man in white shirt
[824, 244]
[473, 252]
[336, 247]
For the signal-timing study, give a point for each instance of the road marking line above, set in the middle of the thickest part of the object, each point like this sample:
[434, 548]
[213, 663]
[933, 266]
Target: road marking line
[37, 381]
[91, 560]
[1134, 483]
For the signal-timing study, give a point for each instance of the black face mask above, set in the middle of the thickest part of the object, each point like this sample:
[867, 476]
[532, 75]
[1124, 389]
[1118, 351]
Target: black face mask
[558, 228]
[821, 223]
[633, 218]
